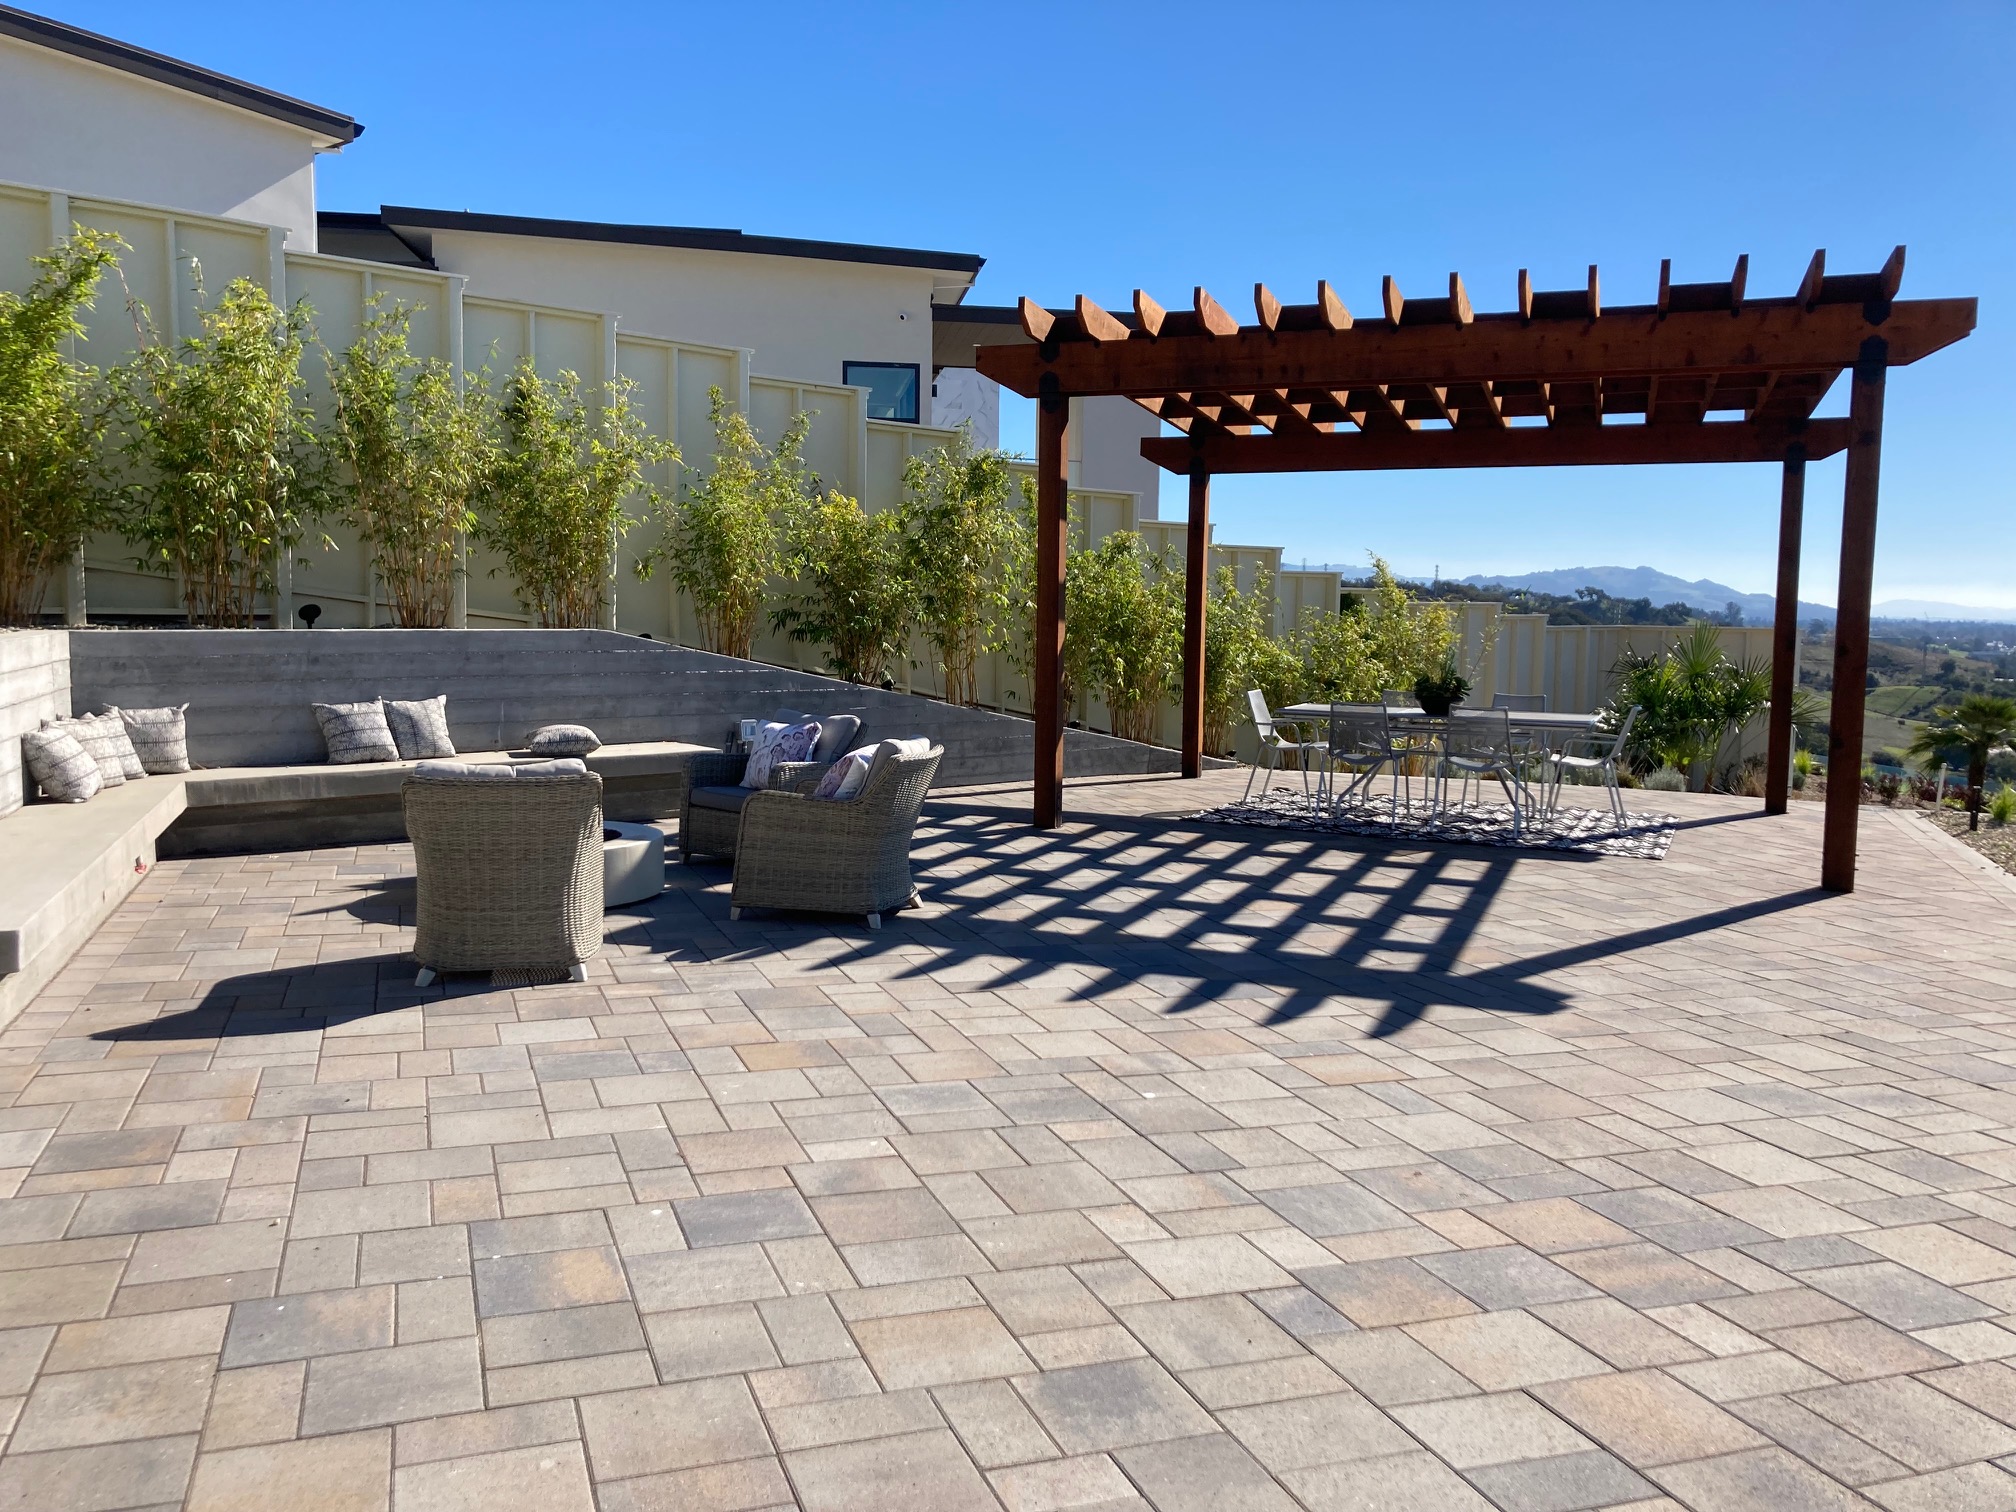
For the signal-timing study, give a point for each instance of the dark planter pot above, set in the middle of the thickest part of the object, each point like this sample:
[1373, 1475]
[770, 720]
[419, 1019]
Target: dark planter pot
[1435, 703]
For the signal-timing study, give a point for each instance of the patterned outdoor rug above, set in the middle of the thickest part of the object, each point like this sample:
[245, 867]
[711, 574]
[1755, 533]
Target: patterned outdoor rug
[1589, 830]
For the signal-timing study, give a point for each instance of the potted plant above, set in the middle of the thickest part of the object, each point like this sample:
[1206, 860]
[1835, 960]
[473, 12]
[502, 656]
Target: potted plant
[1441, 690]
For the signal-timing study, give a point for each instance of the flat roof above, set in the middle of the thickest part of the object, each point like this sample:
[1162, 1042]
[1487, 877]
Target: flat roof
[697, 238]
[57, 36]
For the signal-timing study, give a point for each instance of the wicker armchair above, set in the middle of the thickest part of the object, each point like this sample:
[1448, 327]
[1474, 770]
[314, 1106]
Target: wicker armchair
[711, 831]
[827, 856]
[510, 872]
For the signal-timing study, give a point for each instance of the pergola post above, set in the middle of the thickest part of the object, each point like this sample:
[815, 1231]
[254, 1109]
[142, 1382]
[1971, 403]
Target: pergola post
[1053, 522]
[1851, 618]
[1196, 589]
[1785, 632]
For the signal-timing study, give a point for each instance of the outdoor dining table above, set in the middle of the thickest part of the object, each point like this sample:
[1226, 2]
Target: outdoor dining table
[1532, 721]
[1542, 728]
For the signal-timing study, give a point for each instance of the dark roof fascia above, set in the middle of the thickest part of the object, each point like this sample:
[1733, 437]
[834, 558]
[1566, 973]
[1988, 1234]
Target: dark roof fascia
[162, 69]
[1011, 315]
[370, 220]
[694, 238]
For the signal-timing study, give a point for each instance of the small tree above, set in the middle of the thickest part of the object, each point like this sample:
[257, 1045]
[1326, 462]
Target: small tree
[229, 476]
[1976, 727]
[52, 411]
[853, 594]
[1385, 641]
[418, 452]
[723, 544]
[1240, 654]
[968, 529]
[1123, 636]
[556, 504]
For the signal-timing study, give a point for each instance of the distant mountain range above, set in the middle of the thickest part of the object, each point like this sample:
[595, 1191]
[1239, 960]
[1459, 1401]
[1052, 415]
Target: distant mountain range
[1706, 594]
[1649, 583]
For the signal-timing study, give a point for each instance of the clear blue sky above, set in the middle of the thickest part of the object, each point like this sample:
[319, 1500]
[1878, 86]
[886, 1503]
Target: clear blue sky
[1089, 147]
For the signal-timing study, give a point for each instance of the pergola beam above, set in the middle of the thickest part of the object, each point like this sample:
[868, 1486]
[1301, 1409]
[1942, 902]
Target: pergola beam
[1775, 336]
[1514, 446]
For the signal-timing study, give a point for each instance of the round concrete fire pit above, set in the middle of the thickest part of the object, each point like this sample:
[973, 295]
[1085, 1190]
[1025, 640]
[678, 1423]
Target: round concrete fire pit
[633, 863]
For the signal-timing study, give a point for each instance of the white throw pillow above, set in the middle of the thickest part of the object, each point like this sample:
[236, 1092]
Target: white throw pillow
[846, 777]
[102, 740]
[160, 737]
[778, 742]
[61, 767]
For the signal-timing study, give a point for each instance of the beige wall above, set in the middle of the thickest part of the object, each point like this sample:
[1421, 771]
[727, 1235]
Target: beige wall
[91, 130]
[799, 317]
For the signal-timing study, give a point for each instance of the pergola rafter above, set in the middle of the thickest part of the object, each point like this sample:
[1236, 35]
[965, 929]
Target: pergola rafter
[1705, 373]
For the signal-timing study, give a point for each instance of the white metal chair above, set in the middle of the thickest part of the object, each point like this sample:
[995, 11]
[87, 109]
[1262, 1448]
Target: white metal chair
[1478, 744]
[1409, 747]
[1361, 742]
[1273, 744]
[1604, 752]
[1531, 744]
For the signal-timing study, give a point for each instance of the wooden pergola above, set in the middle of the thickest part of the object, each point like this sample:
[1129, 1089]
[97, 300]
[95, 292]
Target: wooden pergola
[1559, 381]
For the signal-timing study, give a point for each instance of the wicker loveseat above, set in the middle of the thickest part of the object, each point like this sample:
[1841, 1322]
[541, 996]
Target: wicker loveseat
[848, 856]
[509, 872]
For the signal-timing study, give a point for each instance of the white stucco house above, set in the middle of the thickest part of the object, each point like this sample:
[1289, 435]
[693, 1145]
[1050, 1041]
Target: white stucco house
[209, 177]
[95, 117]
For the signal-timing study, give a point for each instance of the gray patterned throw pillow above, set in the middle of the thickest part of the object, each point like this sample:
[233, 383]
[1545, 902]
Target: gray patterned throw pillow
[356, 732]
[563, 740]
[101, 739]
[61, 767]
[419, 727]
[160, 736]
[121, 744]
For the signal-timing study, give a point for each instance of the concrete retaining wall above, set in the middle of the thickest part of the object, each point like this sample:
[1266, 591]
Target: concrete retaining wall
[249, 693]
[34, 686]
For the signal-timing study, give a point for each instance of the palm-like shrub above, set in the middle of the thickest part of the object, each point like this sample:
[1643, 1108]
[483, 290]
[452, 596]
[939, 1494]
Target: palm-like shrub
[52, 488]
[1690, 701]
[1975, 728]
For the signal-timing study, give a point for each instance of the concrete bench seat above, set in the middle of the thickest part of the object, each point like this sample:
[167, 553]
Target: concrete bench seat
[297, 807]
[65, 866]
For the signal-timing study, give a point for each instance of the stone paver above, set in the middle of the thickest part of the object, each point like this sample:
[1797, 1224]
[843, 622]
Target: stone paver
[1148, 1165]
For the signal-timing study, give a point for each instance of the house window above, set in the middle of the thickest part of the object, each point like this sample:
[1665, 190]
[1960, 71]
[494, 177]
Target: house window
[892, 388]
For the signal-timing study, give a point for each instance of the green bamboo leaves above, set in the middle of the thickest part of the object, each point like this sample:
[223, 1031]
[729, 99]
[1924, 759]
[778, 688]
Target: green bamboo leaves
[53, 489]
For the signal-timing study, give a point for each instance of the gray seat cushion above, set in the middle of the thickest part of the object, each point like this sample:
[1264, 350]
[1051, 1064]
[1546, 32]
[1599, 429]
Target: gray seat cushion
[836, 736]
[728, 800]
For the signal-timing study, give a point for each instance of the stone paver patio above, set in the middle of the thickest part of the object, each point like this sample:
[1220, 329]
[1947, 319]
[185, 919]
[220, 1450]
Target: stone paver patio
[1149, 1165]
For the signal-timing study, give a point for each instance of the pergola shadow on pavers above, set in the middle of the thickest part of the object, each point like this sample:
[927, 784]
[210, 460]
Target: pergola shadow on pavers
[1429, 383]
[1150, 1162]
